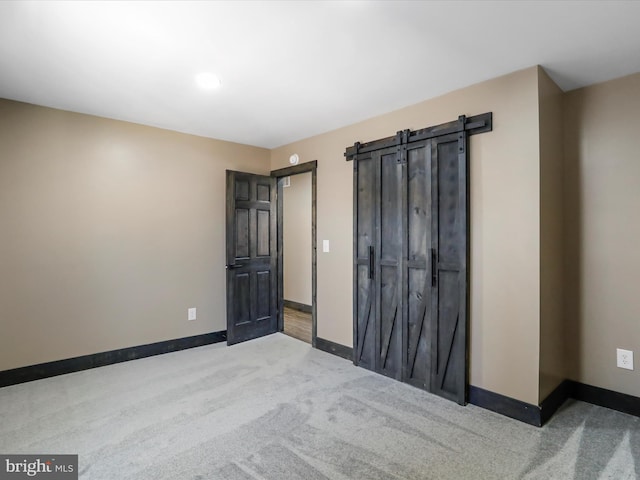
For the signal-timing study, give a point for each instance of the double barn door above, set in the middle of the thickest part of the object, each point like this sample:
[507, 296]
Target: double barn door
[410, 261]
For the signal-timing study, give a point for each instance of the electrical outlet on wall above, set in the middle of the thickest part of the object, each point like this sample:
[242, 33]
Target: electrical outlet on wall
[191, 314]
[625, 359]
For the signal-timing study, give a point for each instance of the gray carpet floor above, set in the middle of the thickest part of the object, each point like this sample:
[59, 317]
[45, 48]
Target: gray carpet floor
[274, 408]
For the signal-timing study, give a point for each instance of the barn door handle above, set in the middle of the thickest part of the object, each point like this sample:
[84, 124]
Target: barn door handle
[233, 267]
[434, 272]
[371, 259]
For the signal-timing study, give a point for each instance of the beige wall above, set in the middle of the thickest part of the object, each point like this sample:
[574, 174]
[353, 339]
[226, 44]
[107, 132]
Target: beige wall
[297, 239]
[552, 341]
[110, 231]
[602, 201]
[505, 225]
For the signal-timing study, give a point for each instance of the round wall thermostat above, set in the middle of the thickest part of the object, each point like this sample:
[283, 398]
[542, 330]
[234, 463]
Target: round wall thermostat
[294, 159]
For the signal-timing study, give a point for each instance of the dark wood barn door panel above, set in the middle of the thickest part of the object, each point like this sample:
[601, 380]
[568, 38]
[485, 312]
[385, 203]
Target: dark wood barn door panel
[378, 260]
[251, 256]
[449, 253]
[418, 273]
[389, 262]
[364, 305]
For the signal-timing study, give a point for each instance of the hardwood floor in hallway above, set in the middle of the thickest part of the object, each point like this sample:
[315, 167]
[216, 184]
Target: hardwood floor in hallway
[297, 324]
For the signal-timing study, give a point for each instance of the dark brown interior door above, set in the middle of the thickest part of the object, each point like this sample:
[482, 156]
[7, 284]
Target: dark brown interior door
[251, 256]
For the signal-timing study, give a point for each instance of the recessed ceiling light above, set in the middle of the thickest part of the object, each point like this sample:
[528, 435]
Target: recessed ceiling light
[208, 80]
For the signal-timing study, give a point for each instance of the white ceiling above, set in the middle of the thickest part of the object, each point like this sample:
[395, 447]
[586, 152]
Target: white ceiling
[294, 69]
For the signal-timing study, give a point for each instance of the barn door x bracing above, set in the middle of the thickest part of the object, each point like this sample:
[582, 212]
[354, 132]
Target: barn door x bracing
[411, 250]
[251, 256]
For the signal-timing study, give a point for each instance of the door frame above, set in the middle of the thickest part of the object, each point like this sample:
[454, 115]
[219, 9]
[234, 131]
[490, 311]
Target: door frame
[280, 174]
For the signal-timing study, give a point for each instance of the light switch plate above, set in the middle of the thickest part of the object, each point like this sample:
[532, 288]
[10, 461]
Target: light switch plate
[191, 314]
[325, 246]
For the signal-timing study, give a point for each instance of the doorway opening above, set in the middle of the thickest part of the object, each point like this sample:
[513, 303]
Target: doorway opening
[296, 214]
